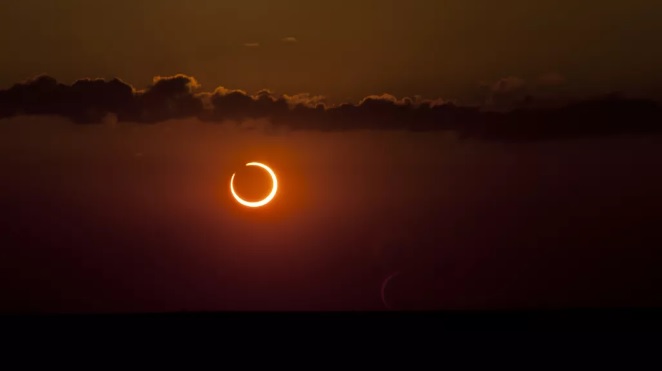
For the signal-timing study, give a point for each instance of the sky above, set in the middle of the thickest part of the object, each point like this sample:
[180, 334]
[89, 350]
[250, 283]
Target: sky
[133, 218]
[451, 49]
[481, 154]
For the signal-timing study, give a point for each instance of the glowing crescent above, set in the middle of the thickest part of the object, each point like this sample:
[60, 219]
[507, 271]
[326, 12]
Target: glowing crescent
[384, 289]
[271, 195]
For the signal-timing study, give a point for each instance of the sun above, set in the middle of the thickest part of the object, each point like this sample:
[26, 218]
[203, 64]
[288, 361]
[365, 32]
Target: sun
[266, 200]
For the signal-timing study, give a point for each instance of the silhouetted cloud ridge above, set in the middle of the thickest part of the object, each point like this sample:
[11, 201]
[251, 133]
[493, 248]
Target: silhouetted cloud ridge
[88, 101]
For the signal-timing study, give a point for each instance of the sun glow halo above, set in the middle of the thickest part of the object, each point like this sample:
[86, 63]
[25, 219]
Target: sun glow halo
[267, 199]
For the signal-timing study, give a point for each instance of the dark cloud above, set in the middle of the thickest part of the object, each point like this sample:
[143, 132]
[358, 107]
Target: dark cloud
[176, 97]
[508, 85]
[169, 98]
[507, 93]
[85, 101]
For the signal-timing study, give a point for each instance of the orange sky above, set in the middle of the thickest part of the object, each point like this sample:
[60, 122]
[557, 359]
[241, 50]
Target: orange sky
[340, 49]
[129, 208]
[138, 217]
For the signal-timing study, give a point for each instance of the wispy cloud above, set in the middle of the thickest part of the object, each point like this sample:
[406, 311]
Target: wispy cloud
[508, 84]
[289, 39]
[252, 45]
[551, 79]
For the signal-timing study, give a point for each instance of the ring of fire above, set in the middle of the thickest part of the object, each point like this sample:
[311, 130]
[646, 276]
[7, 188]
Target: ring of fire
[267, 199]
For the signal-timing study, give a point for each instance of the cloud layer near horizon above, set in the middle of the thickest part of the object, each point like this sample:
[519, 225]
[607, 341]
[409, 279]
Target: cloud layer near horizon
[88, 101]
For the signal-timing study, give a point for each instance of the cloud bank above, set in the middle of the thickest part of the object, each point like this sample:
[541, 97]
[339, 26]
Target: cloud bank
[89, 101]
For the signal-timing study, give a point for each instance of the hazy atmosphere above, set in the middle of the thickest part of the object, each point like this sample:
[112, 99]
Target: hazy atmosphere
[457, 154]
[130, 217]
